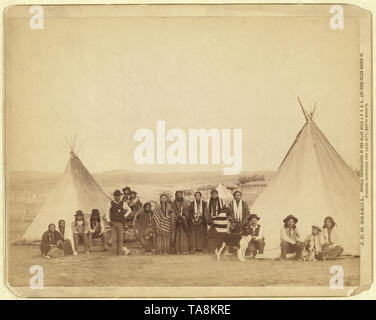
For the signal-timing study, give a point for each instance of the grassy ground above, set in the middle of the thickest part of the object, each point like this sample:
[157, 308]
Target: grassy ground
[104, 269]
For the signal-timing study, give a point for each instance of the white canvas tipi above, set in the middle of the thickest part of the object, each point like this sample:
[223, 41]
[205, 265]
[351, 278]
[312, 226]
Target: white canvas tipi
[312, 182]
[77, 190]
[224, 193]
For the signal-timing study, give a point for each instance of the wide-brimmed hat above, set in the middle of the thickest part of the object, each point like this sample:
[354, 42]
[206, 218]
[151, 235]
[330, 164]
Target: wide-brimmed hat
[290, 216]
[253, 215]
[317, 227]
[126, 189]
[133, 192]
[79, 213]
[237, 191]
[117, 193]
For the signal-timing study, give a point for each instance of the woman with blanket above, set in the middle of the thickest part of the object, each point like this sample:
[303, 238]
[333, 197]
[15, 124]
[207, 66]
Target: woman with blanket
[197, 223]
[180, 220]
[216, 218]
[331, 247]
[162, 218]
[52, 243]
[238, 211]
[145, 231]
[66, 243]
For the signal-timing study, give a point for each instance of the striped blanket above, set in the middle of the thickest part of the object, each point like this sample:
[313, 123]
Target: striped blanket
[220, 222]
[162, 223]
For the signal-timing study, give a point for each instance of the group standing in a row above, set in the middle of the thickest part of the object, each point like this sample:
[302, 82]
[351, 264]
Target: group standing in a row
[181, 227]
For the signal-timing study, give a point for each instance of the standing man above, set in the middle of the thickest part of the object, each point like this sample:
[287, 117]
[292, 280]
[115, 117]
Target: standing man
[117, 210]
[180, 208]
[238, 211]
[198, 225]
[126, 194]
[290, 238]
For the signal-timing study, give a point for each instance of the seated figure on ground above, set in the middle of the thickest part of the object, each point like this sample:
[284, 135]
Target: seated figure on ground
[97, 230]
[290, 238]
[66, 243]
[80, 230]
[331, 247]
[51, 244]
[254, 236]
[313, 244]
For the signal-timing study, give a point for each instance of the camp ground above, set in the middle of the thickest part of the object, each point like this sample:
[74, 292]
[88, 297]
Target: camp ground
[313, 182]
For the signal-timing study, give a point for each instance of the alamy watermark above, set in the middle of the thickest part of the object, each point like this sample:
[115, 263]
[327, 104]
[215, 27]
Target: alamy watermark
[185, 150]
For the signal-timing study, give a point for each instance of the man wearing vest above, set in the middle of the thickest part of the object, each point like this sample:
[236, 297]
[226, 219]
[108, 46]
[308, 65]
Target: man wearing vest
[117, 211]
[255, 235]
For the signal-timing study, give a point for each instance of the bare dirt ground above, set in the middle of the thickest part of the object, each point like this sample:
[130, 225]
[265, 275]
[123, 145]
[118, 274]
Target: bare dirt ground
[104, 269]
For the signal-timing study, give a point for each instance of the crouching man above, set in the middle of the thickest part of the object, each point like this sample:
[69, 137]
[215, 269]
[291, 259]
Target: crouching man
[252, 240]
[97, 229]
[290, 238]
[257, 241]
[117, 211]
[80, 230]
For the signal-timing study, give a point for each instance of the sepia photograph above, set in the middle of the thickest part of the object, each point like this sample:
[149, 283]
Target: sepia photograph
[188, 151]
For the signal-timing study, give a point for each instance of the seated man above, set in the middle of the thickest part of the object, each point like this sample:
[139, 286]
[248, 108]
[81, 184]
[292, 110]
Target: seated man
[97, 230]
[255, 237]
[290, 238]
[51, 244]
[80, 230]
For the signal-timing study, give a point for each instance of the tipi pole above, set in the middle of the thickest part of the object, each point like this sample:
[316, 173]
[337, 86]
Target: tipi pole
[304, 112]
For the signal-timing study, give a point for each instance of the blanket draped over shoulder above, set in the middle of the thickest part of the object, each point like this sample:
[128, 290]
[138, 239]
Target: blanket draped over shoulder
[162, 223]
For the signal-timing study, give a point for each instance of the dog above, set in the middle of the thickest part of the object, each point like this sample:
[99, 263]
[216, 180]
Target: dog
[226, 240]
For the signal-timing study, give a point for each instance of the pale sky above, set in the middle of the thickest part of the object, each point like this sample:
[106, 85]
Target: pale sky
[103, 78]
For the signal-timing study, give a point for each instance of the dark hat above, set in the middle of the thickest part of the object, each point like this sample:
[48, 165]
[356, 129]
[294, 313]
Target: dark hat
[95, 211]
[317, 227]
[134, 192]
[79, 213]
[237, 191]
[290, 216]
[117, 193]
[254, 216]
[126, 189]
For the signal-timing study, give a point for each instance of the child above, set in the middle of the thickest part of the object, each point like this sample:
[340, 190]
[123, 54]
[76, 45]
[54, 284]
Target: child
[313, 244]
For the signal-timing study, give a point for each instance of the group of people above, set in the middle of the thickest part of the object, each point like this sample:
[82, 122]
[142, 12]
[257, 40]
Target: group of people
[182, 226]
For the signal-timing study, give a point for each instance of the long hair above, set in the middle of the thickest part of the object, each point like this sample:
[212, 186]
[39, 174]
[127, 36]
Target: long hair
[83, 220]
[331, 220]
[95, 217]
[147, 203]
[62, 230]
[287, 226]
